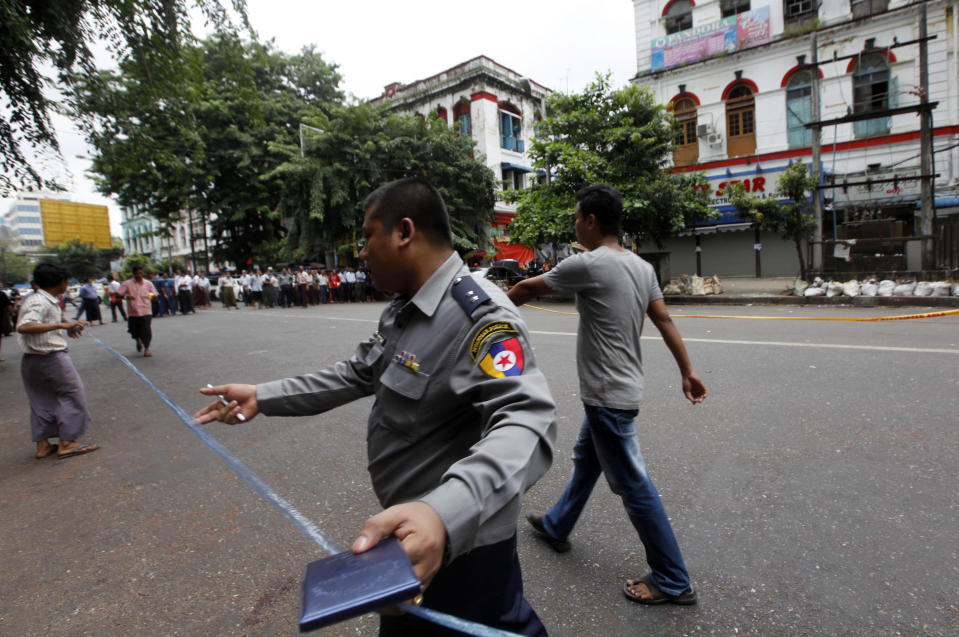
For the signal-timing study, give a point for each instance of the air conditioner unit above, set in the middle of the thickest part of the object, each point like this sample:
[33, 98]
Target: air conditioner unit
[714, 139]
[703, 130]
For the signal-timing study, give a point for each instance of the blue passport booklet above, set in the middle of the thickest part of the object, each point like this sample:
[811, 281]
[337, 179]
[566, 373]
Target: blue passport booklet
[346, 585]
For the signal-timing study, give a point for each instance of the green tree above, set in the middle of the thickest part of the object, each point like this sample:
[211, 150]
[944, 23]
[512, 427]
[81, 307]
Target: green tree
[136, 259]
[206, 148]
[617, 137]
[61, 34]
[83, 261]
[358, 148]
[792, 219]
[13, 267]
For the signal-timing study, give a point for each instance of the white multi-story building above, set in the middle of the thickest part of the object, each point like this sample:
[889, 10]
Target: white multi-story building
[25, 223]
[737, 75]
[498, 108]
[144, 234]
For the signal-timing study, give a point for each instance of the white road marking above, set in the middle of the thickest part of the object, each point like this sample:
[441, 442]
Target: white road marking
[874, 348]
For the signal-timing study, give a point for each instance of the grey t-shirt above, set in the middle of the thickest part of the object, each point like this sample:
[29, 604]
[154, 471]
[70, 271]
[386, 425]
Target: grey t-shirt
[613, 290]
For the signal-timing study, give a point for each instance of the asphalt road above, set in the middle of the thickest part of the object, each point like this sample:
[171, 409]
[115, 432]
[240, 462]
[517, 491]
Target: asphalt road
[813, 493]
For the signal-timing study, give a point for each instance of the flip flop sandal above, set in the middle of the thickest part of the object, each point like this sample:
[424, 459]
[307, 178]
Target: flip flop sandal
[79, 451]
[686, 598]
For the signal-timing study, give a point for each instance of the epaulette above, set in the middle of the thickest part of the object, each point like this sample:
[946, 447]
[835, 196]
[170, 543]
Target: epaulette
[468, 293]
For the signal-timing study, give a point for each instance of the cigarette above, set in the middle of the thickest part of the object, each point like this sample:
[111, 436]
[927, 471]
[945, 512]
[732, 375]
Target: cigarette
[239, 416]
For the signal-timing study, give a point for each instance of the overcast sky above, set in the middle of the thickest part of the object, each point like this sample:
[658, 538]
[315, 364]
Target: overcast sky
[560, 44]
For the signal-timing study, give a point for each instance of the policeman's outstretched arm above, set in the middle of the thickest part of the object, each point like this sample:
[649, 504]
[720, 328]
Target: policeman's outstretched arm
[420, 531]
[240, 401]
[693, 386]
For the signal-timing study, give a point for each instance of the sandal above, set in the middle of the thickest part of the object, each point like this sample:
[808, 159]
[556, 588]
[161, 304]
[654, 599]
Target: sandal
[686, 598]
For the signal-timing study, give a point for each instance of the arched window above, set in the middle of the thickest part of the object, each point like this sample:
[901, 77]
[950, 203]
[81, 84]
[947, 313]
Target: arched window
[441, 113]
[799, 108]
[461, 113]
[686, 145]
[740, 122]
[872, 90]
[679, 16]
[510, 127]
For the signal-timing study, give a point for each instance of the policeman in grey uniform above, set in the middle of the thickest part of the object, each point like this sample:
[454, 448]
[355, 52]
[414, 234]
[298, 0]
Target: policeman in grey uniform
[462, 425]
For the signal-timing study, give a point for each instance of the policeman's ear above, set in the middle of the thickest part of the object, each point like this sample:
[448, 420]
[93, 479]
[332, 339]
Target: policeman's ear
[406, 229]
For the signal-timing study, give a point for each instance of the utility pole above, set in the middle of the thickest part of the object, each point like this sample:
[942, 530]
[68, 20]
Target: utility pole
[817, 257]
[927, 183]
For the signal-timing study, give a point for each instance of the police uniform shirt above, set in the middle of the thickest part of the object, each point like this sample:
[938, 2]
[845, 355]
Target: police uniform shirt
[463, 419]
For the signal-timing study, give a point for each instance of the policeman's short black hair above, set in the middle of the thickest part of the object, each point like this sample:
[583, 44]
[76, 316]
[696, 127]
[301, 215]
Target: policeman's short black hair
[416, 198]
[605, 203]
[50, 275]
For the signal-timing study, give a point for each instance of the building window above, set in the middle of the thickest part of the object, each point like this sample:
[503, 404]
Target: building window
[734, 7]
[799, 109]
[441, 114]
[872, 91]
[26, 219]
[31, 231]
[510, 132]
[686, 145]
[512, 179]
[28, 207]
[740, 122]
[799, 11]
[865, 8]
[679, 16]
[461, 113]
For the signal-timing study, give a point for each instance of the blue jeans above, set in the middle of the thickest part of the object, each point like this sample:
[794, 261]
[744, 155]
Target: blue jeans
[608, 444]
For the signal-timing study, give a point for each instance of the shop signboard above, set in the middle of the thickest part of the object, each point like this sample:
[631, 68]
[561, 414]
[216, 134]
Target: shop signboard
[728, 35]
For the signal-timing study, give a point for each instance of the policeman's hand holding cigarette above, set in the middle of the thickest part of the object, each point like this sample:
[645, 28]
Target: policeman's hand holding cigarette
[234, 403]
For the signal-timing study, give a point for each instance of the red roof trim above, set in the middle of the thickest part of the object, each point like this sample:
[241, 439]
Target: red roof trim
[889, 56]
[670, 3]
[794, 70]
[729, 88]
[686, 94]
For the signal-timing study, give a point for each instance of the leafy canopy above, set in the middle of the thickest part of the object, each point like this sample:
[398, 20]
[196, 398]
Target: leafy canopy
[792, 219]
[356, 149]
[205, 147]
[617, 137]
[62, 34]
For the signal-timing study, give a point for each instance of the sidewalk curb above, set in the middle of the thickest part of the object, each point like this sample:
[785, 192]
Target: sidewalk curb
[855, 301]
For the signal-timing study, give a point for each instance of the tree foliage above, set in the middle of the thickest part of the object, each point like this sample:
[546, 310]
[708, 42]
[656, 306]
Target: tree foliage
[83, 261]
[617, 137]
[792, 219]
[359, 147]
[62, 34]
[206, 147]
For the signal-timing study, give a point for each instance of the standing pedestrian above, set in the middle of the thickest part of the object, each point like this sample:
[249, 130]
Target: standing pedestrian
[91, 302]
[360, 285]
[614, 290]
[116, 302]
[323, 282]
[58, 402]
[286, 288]
[462, 425]
[184, 291]
[227, 291]
[303, 287]
[139, 293]
[256, 288]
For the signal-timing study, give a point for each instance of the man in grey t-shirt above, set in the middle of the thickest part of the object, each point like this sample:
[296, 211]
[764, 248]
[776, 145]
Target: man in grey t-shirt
[614, 290]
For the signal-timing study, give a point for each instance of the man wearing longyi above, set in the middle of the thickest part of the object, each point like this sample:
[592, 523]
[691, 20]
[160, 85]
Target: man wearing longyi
[462, 425]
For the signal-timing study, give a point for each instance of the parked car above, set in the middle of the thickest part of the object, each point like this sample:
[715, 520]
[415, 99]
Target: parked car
[506, 273]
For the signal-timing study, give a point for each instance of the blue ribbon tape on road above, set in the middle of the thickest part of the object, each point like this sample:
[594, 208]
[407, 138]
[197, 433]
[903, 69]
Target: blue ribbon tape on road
[298, 519]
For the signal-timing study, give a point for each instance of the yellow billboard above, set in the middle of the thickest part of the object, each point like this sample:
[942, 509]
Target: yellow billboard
[64, 221]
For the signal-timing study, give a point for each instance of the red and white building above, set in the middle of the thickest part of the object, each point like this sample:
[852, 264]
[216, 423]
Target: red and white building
[499, 109]
[737, 76]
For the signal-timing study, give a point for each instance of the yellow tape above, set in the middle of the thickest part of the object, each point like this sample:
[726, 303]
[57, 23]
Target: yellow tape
[788, 318]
